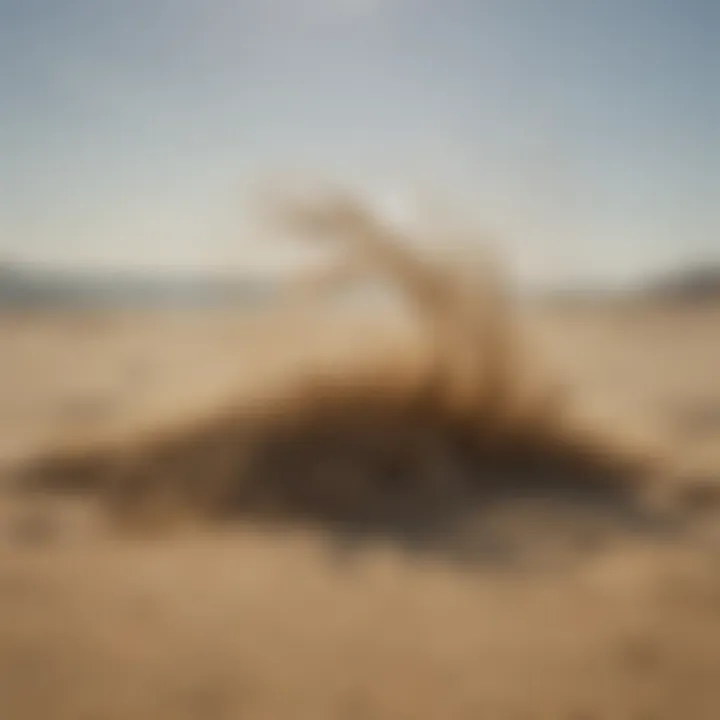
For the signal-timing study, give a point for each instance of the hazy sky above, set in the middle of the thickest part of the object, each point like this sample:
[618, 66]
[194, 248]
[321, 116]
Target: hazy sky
[586, 133]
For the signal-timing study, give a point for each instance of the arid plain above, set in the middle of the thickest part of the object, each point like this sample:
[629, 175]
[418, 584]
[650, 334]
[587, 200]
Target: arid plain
[568, 612]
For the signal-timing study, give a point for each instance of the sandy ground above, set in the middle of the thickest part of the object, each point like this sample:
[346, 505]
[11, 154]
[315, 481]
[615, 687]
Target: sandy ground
[252, 622]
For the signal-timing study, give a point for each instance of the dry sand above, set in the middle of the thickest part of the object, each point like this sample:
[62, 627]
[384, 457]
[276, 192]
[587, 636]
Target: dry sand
[254, 623]
[564, 609]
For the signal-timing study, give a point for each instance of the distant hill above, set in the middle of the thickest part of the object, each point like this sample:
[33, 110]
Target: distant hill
[29, 286]
[693, 283]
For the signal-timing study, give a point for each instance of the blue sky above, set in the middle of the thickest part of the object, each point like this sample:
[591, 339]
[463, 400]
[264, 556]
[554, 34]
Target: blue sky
[584, 133]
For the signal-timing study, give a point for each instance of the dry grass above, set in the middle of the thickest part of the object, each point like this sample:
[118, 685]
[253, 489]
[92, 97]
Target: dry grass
[413, 436]
[429, 437]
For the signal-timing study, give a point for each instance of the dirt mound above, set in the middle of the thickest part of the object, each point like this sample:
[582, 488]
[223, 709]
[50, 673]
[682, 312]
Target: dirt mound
[405, 440]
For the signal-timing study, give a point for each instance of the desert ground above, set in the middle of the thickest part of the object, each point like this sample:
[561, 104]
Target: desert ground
[573, 614]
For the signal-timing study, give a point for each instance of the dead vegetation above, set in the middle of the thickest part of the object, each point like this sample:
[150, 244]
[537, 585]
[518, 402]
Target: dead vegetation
[410, 441]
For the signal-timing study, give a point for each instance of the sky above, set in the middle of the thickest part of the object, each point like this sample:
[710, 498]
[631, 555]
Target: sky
[583, 135]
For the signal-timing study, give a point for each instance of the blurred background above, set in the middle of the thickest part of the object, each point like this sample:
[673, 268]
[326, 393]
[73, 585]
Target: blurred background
[225, 494]
[582, 135]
